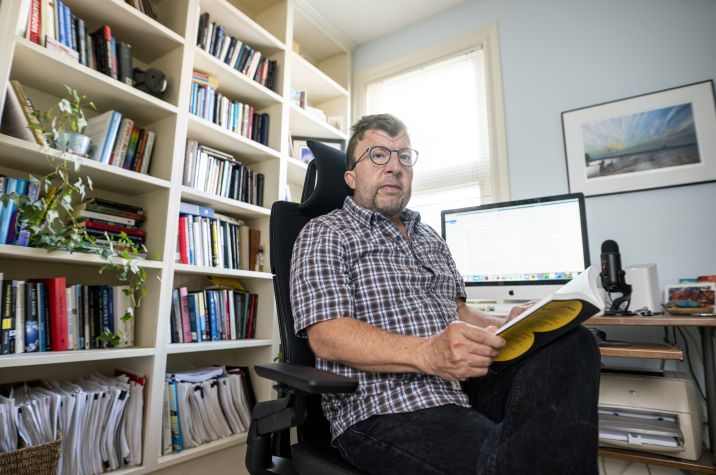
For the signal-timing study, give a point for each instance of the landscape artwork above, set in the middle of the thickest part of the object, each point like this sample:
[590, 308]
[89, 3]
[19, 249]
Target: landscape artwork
[655, 140]
[634, 143]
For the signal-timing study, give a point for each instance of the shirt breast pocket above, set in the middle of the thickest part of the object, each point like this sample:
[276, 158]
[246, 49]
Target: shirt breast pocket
[435, 259]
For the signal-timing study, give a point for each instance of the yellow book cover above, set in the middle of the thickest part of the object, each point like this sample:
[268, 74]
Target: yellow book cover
[551, 317]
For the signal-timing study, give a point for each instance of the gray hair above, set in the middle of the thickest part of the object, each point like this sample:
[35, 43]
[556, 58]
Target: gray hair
[386, 122]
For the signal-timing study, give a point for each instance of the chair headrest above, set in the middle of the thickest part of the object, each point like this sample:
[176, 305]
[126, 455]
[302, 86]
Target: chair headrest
[324, 188]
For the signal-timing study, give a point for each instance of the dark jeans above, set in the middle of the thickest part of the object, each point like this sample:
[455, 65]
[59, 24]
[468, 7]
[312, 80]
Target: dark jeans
[536, 417]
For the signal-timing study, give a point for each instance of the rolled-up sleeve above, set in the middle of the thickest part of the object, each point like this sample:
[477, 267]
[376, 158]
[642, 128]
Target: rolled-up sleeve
[321, 287]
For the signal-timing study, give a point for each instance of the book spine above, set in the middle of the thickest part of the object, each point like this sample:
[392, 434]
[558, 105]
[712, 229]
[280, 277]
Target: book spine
[82, 41]
[57, 295]
[34, 24]
[32, 331]
[177, 442]
[8, 211]
[193, 317]
[184, 306]
[67, 25]
[147, 155]
[211, 310]
[73, 32]
[176, 324]
[125, 63]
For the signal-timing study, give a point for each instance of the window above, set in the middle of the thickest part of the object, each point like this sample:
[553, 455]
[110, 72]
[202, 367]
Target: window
[445, 103]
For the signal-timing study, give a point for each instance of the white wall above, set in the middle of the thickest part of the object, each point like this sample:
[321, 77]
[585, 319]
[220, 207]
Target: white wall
[559, 55]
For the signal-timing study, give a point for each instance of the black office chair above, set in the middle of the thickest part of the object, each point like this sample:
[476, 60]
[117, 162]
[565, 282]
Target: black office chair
[300, 384]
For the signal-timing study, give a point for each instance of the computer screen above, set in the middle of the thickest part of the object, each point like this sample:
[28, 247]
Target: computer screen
[518, 250]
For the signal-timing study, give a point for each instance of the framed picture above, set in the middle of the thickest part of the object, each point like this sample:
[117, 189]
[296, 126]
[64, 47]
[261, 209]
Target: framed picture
[702, 296]
[303, 153]
[336, 121]
[656, 140]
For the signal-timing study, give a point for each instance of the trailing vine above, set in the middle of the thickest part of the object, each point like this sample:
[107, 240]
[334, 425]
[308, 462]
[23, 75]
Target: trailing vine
[50, 220]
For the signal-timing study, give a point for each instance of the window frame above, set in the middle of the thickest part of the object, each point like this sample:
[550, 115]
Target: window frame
[485, 38]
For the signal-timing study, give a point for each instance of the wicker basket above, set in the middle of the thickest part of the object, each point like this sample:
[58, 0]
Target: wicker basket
[36, 460]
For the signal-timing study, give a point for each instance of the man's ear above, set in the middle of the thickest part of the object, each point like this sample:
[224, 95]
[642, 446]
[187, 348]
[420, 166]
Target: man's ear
[350, 177]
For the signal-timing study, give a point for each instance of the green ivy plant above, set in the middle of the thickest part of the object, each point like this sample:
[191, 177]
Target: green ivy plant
[51, 220]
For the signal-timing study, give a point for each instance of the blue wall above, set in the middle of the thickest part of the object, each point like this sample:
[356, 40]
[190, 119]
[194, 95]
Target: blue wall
[559, 55]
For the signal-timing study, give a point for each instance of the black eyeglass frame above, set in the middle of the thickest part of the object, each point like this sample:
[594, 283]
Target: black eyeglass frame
[369, 151]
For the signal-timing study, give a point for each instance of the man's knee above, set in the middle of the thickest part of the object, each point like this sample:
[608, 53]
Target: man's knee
[576, 350]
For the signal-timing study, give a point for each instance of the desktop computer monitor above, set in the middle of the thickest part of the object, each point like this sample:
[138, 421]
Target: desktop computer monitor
[518, 250]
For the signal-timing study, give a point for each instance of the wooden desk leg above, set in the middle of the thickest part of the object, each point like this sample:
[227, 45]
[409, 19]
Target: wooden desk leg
[707, 342]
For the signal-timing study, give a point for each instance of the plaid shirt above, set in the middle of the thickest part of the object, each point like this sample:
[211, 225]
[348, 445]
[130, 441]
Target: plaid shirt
[354, 263]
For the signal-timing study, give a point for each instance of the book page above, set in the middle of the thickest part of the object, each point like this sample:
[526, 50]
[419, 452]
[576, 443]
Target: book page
[583, 287]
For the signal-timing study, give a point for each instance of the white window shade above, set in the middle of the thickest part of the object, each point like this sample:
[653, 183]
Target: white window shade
[444, 106]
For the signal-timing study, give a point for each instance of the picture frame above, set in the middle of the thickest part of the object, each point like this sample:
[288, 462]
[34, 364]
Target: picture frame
[337, 122]
[303, 153]
[655, 140]
[704, 293]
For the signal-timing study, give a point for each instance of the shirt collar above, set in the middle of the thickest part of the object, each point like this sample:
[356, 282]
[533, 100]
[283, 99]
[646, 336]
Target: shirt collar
[367, 217]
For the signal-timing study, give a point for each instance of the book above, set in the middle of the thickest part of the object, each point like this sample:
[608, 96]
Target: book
[32, 331]
[102, 129]
[550, 318]
[14, 122]
[90, 215]
[124, 53]
[34, 27]
[57, 299]
[7, 317]
[28, 109]
[8, 211]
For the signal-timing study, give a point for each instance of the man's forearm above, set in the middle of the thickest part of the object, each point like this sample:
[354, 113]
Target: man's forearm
[363, 346]
[474, 316]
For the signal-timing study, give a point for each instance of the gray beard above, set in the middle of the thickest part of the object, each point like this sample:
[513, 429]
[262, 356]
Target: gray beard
[393, 209]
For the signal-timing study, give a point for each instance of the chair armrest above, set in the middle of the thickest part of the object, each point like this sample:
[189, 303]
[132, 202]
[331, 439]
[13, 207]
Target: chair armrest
[307, 378]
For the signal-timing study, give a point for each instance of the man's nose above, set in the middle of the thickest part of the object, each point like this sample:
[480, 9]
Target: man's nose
[394, 164]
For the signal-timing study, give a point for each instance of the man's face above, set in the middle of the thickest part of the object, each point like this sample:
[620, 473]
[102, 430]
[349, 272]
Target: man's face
[382, 188]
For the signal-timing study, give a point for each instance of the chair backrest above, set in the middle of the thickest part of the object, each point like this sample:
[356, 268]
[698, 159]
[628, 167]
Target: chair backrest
[324, 190]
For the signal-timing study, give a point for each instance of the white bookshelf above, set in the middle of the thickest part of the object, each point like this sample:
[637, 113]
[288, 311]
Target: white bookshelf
[321, 68]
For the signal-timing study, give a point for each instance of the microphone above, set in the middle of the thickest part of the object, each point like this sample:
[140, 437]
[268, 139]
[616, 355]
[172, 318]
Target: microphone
[612, 274]
[613, 278]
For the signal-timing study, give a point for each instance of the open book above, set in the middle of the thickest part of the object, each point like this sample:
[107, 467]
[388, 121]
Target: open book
[550, 317]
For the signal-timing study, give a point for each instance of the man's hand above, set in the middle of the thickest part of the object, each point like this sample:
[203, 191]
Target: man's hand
[517, 310]
[461, 351]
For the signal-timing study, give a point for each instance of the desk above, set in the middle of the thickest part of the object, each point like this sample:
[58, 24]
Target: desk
[706, 327]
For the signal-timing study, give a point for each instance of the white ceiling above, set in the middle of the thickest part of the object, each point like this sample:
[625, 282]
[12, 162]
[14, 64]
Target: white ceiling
[361, 21]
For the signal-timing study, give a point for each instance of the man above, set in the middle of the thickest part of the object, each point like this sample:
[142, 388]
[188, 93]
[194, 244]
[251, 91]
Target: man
[379, 297]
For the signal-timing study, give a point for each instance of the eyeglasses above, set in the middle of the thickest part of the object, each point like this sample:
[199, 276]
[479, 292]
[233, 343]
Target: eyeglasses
[381, 155]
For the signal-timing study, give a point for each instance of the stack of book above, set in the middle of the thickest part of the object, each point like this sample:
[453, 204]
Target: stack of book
[210, 239]
[212, 314]
[11, 228]
[212, 171]
[209, 104]
[48, 315]
[51, 23]
[99, 419]
[205, 404]
[120, 142]
[249, 61]
[144, 6]
[106, 220]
